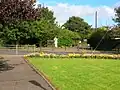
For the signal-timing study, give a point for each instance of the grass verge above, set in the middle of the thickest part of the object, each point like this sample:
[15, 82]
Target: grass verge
[80, 74]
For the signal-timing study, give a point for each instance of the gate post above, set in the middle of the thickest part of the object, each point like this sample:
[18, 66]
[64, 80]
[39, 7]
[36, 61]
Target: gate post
[16, 49]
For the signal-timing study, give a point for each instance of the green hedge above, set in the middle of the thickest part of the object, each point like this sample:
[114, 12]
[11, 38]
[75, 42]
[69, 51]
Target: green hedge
[108, 42]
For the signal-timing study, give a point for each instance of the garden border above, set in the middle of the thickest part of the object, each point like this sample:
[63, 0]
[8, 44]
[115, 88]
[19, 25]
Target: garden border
[40, 73]
[74, 55]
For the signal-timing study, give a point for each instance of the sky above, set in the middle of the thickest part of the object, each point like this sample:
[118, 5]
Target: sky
[63, 9]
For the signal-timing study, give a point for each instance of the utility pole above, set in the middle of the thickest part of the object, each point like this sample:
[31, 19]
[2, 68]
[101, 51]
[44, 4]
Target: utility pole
[96, 20]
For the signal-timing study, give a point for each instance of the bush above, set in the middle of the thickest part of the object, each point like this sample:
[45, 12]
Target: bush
[97, 36]
[109, 42]
[65, 38]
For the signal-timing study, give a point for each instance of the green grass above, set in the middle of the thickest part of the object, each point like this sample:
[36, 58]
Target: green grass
[81, 74]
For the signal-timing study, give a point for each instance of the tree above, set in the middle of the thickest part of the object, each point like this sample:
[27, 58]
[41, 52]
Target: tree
[43, 31]
[44, 28]
[47, 15]
[36, 31]
[18, 32]
[65, 37]
[17, 10]
[105, 39]
[115, 32]
[77, 24]
[117, 15]
[100, 39]
[15, 16]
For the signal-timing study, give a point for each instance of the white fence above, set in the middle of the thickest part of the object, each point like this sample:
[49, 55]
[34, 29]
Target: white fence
[19, 48]
[24, 49]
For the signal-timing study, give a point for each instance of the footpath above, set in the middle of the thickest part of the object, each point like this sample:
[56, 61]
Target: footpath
[21, 76]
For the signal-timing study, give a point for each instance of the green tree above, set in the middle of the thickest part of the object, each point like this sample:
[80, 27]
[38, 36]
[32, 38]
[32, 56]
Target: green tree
[115, 33]
[35, 28]
[104, 28]
[43, 31]
[16, 33]
[15, 16]
[77, 24]
[47, 15]
[65, 37]
[103, 39]
[117, 15]
[44, 28]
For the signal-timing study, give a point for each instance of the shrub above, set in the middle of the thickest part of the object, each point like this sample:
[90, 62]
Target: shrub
[108, 42]
[65, 37]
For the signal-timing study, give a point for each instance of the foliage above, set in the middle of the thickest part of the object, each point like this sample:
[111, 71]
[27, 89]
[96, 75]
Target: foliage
[15, 16]
[1, 42]
[44, 31]
[65, 37]
[47, 15]
[23, 23]
[80, 74]
[104, 38]
[77, 24]
[12, 11]
[117, 15]
[115, 32]
[101, 38]
[104, 28]
[27, 30]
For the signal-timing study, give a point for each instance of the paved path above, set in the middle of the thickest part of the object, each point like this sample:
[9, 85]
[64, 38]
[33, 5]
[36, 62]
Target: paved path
[12, 52]
[21, 77]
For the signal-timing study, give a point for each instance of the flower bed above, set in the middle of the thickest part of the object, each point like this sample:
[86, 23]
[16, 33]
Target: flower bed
[73, 55]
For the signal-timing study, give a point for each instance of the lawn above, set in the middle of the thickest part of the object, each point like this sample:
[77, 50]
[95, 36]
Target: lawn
[80, 74]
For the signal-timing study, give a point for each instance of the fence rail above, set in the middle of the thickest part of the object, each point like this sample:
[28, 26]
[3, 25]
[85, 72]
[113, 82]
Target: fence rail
[17, 49]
